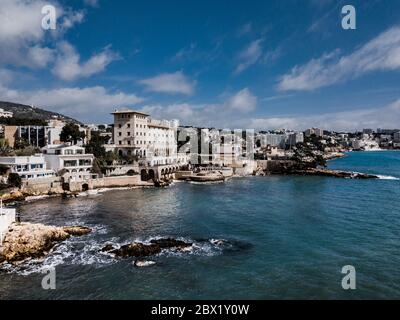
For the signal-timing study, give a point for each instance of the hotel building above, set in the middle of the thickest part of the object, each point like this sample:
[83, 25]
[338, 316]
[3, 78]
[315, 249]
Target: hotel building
[152, 141]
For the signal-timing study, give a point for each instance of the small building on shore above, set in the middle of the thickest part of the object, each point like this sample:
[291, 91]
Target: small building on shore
[71, 162]
[28, 167]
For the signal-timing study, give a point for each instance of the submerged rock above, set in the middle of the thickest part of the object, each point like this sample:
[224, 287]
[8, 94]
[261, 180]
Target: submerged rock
[29, 240]
[138, 249]
[107, 248]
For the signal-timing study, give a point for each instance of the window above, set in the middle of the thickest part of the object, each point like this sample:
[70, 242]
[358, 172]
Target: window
[119, 142]
[129, 142]
[119, 134]
[120, 126]
[129, 125]
[128, 133]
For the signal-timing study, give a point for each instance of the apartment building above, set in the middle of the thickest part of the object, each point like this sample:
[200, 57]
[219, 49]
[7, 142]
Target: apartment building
[28, 168]
[71, 162]
[153, 141]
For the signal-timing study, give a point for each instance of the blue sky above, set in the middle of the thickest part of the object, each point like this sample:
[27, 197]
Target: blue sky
[232, 64]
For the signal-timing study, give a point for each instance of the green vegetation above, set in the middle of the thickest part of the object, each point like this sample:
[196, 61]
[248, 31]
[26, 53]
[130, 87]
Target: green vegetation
[307, 155]
[14, 180]
[71, 133]
[23, 122]
[5, 149]
[95, 145]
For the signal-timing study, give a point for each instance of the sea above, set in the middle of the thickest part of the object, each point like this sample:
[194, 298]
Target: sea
[274, 237]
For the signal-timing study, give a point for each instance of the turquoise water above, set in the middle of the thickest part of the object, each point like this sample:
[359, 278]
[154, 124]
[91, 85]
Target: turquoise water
[286, 237]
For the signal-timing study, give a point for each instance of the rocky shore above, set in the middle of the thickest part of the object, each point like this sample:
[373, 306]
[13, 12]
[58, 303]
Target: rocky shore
[29, 240]
[140, 250]
[334, 173]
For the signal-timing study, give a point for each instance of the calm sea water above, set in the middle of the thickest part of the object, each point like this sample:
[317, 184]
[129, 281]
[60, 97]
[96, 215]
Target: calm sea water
[287, 237]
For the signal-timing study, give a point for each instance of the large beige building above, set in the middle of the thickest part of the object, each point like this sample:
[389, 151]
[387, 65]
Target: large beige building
[153, 141]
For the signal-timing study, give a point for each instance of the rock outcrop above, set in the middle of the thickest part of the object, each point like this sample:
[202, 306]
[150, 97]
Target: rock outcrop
[138, 249]
[335, 174]
[28, 240]
[77, 230]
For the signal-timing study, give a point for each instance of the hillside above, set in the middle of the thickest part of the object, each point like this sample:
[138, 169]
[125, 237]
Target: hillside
[22, 111]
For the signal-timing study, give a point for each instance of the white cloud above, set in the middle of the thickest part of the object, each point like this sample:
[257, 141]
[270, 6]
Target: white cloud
[243, 101]
[68, 66]
[249, 56]
[92, 3]
[380, 54]
[219, 115]
[387, 116]
[169, 83]
[21, 33]
[72, 18]
[245, 29]
[77, 102]
[40, 57]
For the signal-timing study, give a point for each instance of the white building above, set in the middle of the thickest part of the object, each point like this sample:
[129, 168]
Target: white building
[152, 141]
[5, 114]
[32, 167]
[396, 137]
[162, 148]
[70, 161]
[317, 131]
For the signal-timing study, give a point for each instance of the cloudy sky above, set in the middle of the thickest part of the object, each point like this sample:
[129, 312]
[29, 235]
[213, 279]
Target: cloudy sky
[229, 64]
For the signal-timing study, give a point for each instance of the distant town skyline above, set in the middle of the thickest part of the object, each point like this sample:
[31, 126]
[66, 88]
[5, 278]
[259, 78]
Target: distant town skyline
[254, 64]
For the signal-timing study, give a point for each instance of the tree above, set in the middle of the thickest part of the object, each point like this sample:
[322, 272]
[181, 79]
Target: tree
[21, 143]
[5, 149]
[14, 180]
[3, 169]
[70, 133]
[27, 151]
[95, 145]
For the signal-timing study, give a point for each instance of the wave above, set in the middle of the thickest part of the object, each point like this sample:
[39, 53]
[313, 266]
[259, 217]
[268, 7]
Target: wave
[383, 177]
[87, 251]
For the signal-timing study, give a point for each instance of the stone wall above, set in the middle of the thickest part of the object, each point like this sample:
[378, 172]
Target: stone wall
[41, 186]
[121, 170]
[274, 166]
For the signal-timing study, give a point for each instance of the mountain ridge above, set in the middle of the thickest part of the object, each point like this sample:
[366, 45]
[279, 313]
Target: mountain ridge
[22, 111]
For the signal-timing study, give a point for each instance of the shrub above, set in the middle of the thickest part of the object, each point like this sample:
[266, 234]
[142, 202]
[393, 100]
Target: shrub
[14, 180]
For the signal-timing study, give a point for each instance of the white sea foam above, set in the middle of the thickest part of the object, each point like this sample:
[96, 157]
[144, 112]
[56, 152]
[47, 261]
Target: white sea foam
[87, 251]
[383, 177]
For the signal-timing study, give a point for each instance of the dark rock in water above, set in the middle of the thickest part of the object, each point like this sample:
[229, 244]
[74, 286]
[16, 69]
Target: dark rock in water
[335, 173]
[170, 243]
[107, 248]
[77, 230]
[138, 249]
